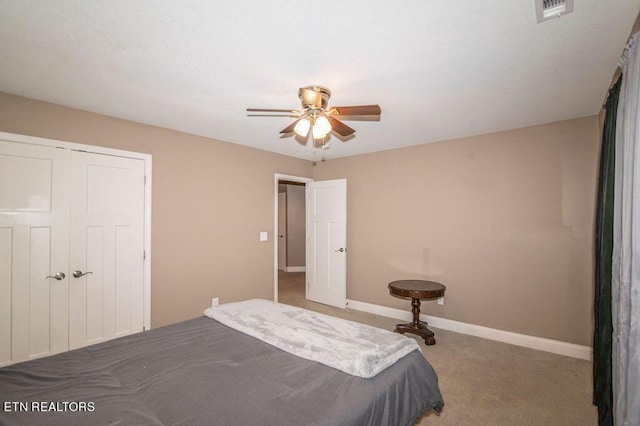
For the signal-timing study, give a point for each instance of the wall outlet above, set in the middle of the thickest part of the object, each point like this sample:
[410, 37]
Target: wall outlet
[214, 301]
[441, 301]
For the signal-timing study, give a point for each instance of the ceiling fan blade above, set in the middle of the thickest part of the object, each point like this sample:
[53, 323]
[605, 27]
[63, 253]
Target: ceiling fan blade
[340, 128]
[290, 127]
[357, 110]
[272, 110]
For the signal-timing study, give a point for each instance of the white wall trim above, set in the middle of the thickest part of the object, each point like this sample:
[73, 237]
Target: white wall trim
[295, 268]
[147, 158]
[532, 342]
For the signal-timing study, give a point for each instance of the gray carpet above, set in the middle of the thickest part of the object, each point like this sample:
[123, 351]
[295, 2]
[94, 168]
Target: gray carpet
[484, 382]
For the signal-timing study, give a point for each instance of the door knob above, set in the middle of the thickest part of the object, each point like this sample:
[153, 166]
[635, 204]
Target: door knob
[78, 274]
[59, 276]
[341, 250]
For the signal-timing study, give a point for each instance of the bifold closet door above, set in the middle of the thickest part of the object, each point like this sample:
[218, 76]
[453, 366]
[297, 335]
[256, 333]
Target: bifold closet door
[106, 248]
[34, 251]
[71, 249]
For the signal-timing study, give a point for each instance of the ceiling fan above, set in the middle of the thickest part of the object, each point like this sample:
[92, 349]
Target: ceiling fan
[315, 114]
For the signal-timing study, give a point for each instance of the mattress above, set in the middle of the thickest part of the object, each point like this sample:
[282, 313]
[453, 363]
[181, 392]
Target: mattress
[203, 372]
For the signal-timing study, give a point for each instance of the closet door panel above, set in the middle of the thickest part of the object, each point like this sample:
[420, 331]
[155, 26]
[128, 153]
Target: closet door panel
[107, 237]
[34, 250]
[39, 297]
[96, 294]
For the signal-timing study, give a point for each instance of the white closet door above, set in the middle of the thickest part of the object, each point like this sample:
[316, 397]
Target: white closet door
[107, 243]
[34, 244]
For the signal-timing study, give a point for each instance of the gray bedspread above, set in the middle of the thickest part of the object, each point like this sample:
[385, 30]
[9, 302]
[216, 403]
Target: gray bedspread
[200, 372]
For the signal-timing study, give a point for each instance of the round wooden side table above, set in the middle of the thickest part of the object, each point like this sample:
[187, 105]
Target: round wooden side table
[417, 290]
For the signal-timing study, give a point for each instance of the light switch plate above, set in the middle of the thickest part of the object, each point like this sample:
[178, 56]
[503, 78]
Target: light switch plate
[263, 236]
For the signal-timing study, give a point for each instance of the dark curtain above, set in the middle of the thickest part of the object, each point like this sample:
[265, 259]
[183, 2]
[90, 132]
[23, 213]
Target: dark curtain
[602, 368]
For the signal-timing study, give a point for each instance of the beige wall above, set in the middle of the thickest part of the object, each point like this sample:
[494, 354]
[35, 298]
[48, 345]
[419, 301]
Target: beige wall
[210, 201]
[504, 220]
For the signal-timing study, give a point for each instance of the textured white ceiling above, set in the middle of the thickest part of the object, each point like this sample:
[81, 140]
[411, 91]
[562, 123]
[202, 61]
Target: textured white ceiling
[439, 69]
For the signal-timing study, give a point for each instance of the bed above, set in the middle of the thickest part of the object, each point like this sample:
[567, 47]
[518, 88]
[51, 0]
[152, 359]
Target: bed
[202, 371]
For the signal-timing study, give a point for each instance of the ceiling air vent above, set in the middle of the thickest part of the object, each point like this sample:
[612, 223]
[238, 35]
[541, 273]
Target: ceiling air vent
[548, 9]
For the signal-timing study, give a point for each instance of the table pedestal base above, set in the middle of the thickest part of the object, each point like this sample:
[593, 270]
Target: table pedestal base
[416, 326]
[421, 331]
[417, 290]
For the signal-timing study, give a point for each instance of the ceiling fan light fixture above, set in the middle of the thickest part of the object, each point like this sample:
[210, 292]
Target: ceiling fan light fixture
[317, 134]
[321, 127]
[302, 128]
[321, 120]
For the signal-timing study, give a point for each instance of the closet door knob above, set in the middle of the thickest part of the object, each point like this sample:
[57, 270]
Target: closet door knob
[78, 274]
[59, 276]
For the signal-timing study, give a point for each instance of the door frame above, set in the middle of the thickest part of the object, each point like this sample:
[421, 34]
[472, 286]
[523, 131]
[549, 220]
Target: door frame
[282, 242]
[32, 140]
[278, 177]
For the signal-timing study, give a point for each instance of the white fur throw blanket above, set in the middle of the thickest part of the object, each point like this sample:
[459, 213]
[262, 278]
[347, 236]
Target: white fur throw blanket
[358, 349]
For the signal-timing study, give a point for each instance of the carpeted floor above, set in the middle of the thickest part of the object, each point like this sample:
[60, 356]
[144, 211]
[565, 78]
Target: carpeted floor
[484, 382]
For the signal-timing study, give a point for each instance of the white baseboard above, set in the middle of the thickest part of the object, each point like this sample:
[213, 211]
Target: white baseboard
[533, 342]
[295, 268]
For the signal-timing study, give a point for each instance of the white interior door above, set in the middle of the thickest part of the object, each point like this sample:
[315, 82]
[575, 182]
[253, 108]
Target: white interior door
[282, 231]
[34, 245]
[326, 254]
[64, 210]
[107, 248]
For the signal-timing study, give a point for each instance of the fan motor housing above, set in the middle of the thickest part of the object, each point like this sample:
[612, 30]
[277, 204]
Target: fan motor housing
[314, 97]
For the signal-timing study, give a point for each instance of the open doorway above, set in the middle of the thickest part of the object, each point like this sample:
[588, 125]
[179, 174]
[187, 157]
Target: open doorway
[290, 238]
